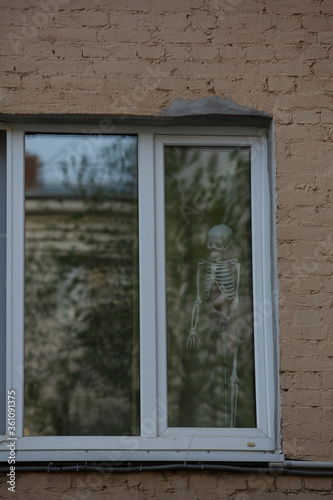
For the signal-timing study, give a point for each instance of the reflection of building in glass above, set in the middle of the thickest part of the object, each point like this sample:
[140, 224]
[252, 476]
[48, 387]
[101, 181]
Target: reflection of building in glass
[31, 171]
[81, 367]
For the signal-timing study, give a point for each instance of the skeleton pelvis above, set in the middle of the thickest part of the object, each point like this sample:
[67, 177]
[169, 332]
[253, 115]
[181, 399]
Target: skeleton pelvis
[215, 296]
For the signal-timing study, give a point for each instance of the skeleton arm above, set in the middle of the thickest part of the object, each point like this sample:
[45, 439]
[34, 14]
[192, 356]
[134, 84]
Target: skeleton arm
[195, 311]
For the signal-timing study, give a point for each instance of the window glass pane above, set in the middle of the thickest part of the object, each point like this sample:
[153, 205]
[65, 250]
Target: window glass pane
[209, 287]
[81, 279]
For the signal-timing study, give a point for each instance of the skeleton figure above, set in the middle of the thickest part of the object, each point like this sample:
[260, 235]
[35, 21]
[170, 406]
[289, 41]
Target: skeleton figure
[221, 292]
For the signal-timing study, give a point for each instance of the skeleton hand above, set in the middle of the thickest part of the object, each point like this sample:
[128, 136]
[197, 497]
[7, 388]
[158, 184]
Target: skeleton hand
[230, 338]
[192, 337]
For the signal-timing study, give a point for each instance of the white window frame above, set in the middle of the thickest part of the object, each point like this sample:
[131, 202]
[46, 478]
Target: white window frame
[157, 441]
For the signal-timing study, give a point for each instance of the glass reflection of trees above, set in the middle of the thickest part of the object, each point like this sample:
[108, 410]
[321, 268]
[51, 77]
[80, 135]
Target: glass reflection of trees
[205, 187]
[81, 309]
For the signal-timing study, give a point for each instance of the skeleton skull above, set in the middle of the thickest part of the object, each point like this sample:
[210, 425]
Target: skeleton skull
[219, 239]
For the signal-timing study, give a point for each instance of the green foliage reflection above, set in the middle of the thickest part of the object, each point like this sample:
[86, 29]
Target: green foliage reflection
[206, 187]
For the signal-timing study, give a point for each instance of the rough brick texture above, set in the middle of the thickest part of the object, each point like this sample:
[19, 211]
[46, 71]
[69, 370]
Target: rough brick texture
[179, 485]
[136, 57]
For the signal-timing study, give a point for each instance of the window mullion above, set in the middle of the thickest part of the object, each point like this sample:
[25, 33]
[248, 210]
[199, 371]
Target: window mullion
[162, 391]
[147, 269]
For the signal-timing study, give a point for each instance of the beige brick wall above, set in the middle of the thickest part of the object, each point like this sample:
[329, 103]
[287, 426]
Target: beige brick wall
[136, 57]
[180, 485]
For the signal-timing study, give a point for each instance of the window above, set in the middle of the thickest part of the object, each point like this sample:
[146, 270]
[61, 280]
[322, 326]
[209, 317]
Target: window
[140, 294]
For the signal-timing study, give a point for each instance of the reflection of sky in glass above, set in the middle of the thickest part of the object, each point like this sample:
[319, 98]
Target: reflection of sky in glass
[60, 157]
[223, 161]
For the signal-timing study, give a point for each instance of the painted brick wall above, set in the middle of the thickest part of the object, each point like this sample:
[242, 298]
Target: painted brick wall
[136, 57]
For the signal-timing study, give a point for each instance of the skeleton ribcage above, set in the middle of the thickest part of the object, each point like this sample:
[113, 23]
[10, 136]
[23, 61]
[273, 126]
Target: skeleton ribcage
[221, 275]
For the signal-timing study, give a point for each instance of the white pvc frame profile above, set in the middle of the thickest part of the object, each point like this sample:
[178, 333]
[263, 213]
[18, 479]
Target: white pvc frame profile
[262, 286]
[156, 441]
